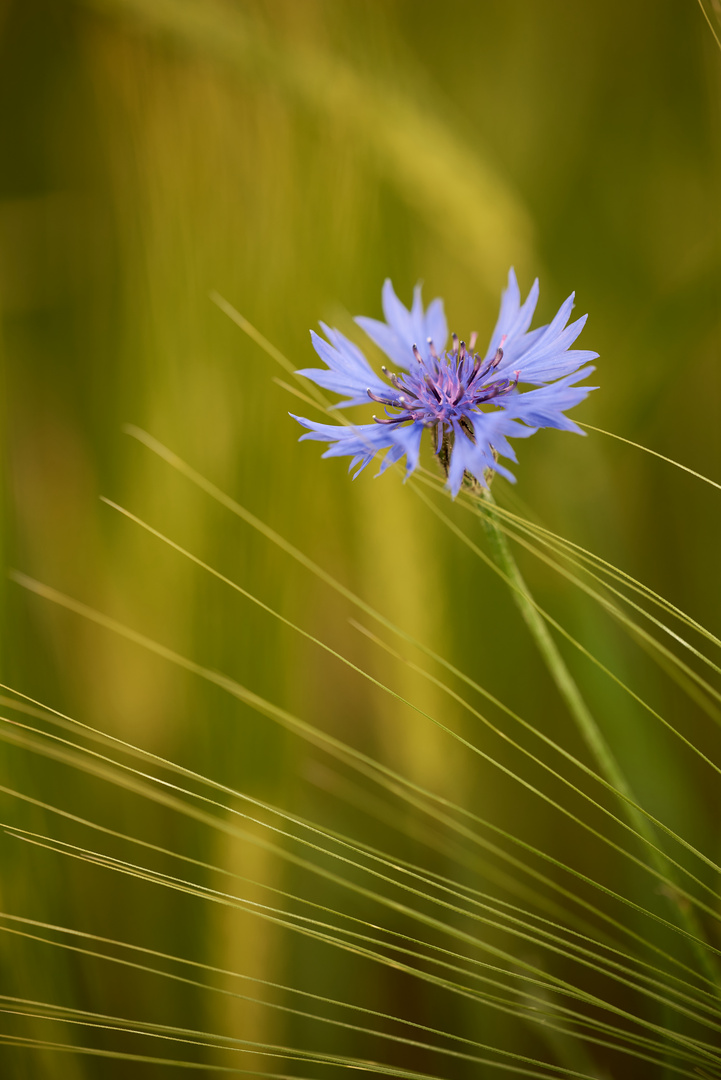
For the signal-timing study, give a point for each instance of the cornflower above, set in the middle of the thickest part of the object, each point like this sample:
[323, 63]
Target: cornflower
[472, 404]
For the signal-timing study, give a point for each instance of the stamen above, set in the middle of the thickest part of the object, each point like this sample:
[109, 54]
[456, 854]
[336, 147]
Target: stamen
[455, 344]
[390, 419]
[417, 354]
[472, 341]
[374, 397]
[498, 357]
[463, 350]
[476, 369]
[431, 387]
[392, 378]
[432, 348]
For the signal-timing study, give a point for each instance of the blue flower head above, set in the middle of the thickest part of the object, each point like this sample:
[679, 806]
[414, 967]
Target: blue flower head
[472, 404]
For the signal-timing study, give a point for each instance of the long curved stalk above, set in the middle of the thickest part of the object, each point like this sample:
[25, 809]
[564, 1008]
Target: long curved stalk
[587, 726]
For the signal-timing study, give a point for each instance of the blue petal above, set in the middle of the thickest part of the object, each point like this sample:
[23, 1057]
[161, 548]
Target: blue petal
[408, 438]
[387, 341]
[398, 317]
[436, 325]
[403, 328]
[361, 439]
[394, 454]
[462, 461]
[490, 432]
[513, 319]
[348, 370]
[545, 407]
[510, 304]
[544, 354]
[364, 441]
[544, 370]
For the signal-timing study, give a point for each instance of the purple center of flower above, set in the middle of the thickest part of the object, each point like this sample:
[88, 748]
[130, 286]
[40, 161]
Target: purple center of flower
[444, 389]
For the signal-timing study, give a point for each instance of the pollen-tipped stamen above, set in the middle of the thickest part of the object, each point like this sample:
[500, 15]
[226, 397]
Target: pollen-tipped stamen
[487, 393]
[429, 383]
[396, 381]
[478, 370]
[375, 397]
[390, 419]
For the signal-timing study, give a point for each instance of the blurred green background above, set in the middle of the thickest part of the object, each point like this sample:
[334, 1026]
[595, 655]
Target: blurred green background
[291, 154]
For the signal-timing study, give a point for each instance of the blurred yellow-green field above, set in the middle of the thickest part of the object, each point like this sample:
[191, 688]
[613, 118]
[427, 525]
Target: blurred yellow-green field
[162, 160]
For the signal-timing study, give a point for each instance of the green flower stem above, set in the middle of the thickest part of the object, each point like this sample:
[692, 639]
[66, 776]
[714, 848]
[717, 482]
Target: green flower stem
[589, 729]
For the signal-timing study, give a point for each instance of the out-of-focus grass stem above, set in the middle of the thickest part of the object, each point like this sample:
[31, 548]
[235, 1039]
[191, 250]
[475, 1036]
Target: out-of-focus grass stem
[654, 453]
[587, 725]
[421, 672]
[359, 760]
